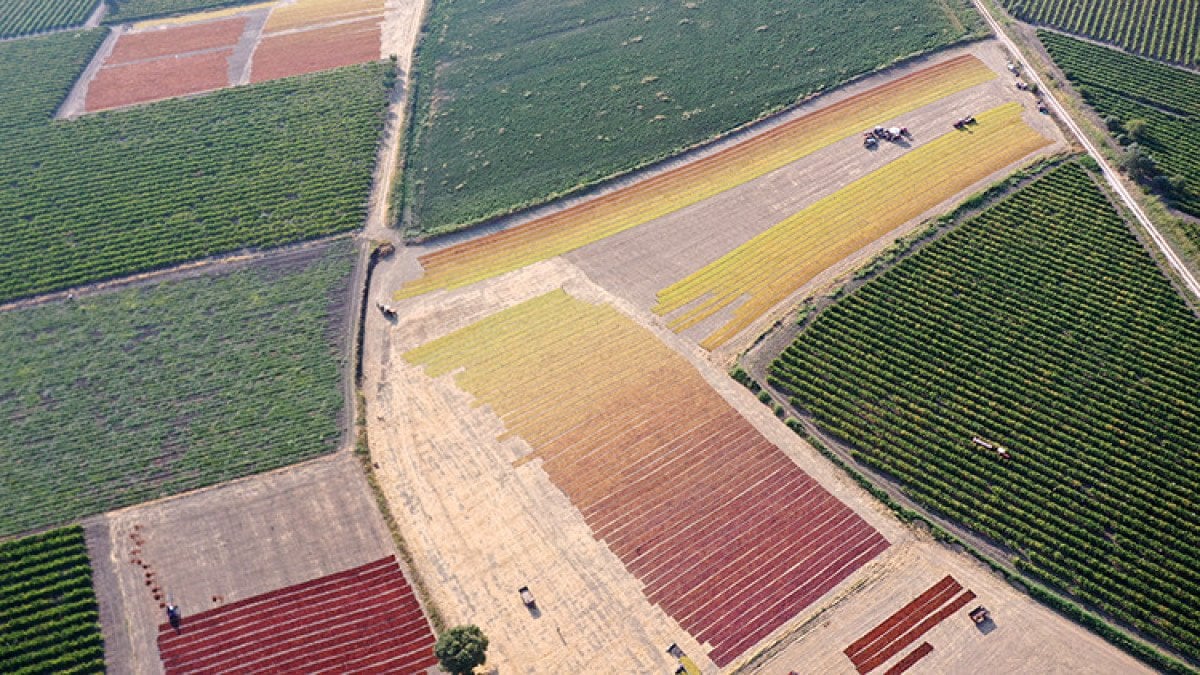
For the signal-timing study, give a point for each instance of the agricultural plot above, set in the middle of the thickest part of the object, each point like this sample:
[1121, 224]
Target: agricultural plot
[523, 103]
[626, 208]
[124, 11]
[122, 397]
[47, 606]
[112, 194]
[747, 541]
[364, 619]
[1042, 327]
[158, 60]
[772, 266]
[1160, 29]
[1164, 101]
[27, 17]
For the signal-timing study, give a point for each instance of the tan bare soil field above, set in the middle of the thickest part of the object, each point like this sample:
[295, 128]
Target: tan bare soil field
[224, 544]
[481, 525]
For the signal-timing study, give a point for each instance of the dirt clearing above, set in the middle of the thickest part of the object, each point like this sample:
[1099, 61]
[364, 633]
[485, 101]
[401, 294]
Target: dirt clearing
[225, 544]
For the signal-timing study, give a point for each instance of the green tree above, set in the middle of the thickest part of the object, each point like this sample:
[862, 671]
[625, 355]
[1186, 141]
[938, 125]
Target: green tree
[461, 648]
[1137, 130]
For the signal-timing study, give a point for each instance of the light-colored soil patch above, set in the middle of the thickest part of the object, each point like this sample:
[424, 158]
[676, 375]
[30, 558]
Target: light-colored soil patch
[217, 546]
[401, 26]
[1026, 638]
[638, 263]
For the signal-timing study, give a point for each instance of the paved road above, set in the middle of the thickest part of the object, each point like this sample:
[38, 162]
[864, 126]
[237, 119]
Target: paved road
[1173, 259]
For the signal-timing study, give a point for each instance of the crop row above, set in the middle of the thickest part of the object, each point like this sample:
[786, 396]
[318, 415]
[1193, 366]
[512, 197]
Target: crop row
[1131, 91]
[145, 392]
[775, 264]
[660, 195]
[27, 17]
[110, 194]
[1162, 29]
[515, 112]
[47, 605]
[1043, 326]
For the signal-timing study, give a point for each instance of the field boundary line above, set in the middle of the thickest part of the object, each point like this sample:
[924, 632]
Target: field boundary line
[185, 270]
[1110, 175]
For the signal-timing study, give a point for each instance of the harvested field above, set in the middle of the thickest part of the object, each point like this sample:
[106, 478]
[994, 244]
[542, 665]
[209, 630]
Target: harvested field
[218, 548]
[152, 44]
[747, 542]
[665, 193]
[303, 13]
[765, 271]
[145, 81]
[314, 50]
[365, 619]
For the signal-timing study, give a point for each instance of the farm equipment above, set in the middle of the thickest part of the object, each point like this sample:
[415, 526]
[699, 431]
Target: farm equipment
[387, 311]
[964, 122]
[1041, 106]
[980, 615]
[384, 250]
[1013, 68]
[893, 134]
[174, 616]
[527, 597]
[1000, 450]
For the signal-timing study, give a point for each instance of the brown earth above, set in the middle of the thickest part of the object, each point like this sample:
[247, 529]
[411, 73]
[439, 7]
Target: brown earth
[157, 79]
[219, 545]
[159, 42]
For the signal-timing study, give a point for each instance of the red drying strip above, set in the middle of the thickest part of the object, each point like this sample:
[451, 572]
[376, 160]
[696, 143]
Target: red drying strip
[908, 661]
[904, 618]
[911, 636]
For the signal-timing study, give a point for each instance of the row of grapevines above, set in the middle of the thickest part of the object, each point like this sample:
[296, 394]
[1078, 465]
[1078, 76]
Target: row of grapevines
[1043, 326]
[27, 17]
[114, 399]
[1166, 100]
[114, 193]
[48, 609]
[1161, 29]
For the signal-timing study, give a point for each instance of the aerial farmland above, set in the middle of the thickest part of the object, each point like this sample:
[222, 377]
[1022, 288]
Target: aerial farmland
[772, 337]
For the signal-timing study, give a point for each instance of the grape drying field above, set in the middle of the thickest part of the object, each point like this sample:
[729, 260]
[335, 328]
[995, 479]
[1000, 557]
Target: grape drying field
[121, 397]
[748, 542]
[1161, 29]
[1041, 326]
[112, 194]
[47, 607]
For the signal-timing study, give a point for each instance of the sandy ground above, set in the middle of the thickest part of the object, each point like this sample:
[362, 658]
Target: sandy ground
[1026, 638]
[638, 263]
[401, 26]
[224, 544]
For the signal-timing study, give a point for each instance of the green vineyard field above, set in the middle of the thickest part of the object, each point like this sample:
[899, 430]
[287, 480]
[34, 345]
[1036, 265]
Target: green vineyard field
[49, 620]
[114, 193]
[1042, 326]
[520, 101]
[121, 397]
[1168, 30]
[122, 11]
[1128, 88]
[27, 17]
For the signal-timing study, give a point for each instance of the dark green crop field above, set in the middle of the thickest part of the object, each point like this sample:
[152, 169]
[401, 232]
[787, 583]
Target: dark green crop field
[1044, 327]
[109, 194]
[1161, 29]
[1161, 102]
[122, 11]
[121, 397]
[519, 100]
[26, 17]
[49, 620]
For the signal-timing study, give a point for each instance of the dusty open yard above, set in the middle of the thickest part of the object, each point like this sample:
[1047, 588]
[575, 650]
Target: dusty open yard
[224, 544]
